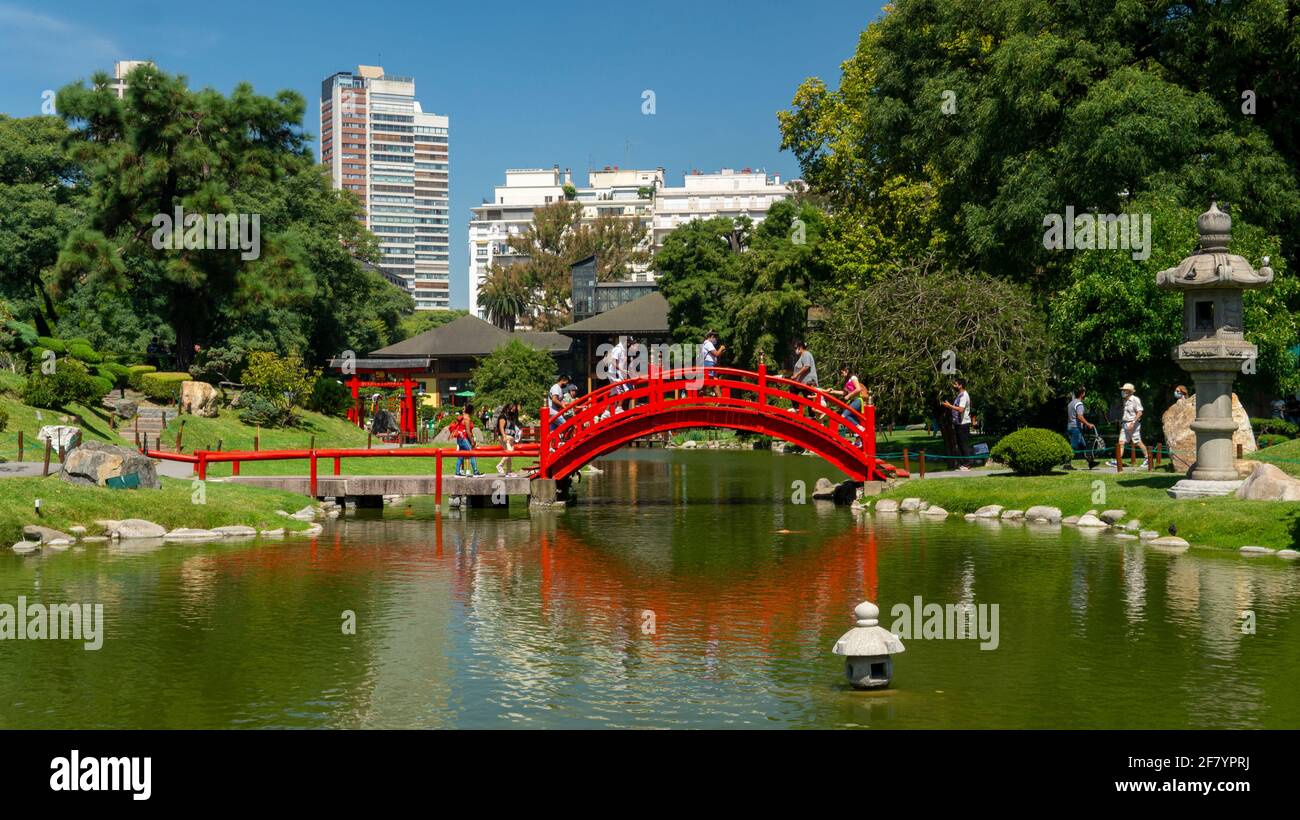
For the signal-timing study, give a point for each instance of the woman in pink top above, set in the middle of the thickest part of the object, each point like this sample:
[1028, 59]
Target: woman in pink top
[855, 395]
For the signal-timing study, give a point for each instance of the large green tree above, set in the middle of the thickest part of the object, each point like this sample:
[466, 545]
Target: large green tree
[911, 333]
[40, 187]
[1023, 107]
[165, 146]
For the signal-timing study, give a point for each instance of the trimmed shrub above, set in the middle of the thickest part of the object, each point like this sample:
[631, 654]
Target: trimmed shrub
[137, 371]
[1277, 427]
[4, 419]
[255, 408]
[70, 382]
[50, 343]
[84, 353]
[163, 386]
[1033, 451]
[1270, 439]
[118, 374]
[102, 385]
[329, 397]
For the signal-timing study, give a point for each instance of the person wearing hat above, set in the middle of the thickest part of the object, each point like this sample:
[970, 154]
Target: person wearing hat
[1130, 428]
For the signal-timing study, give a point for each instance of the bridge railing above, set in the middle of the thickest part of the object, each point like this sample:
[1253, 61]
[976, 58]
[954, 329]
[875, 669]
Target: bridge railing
[821, 413]
[202, 458]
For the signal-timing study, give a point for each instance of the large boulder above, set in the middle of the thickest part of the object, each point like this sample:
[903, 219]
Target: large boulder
[61, 436]
[138, 528]
[45, 535]
[1181, 439]
[1269, 483]
[95, 462]
[199, 399]
[125, 409]
[1051, 515]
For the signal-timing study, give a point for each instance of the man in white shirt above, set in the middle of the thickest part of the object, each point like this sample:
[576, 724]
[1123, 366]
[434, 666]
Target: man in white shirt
[1130, 429]
[961, 423]
[556, 398]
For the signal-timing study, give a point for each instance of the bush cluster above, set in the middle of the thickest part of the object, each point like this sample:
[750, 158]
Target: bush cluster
[165, 387]
[70, 382]
[1033, 451]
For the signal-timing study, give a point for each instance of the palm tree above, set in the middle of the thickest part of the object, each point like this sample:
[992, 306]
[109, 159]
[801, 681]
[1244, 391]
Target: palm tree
[503, 297]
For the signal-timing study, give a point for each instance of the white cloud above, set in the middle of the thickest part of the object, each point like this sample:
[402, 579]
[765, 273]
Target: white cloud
[31, 36]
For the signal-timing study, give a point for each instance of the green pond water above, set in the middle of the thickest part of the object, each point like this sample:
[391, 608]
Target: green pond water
[684, 589]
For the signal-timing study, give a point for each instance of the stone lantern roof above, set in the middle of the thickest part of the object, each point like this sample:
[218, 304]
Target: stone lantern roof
[1212, 266]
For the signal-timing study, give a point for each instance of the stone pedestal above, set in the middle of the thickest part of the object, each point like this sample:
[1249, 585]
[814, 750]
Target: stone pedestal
[1193, 488]
[1214, 425]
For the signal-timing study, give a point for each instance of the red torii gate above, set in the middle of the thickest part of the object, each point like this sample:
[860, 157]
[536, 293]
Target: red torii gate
[408, 385]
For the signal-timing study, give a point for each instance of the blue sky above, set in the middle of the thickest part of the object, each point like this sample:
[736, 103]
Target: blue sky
[526, 84]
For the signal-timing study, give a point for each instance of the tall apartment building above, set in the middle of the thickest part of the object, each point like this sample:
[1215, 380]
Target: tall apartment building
[610, 191]
[725, 193]
[120, 69]
[379, 142]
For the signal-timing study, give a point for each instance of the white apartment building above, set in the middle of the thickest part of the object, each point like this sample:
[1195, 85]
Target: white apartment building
[706, 195]
[610, 191]
[120, 69]
[378, 142]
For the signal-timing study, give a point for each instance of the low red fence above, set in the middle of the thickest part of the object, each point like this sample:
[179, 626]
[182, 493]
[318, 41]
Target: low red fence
[202, 458]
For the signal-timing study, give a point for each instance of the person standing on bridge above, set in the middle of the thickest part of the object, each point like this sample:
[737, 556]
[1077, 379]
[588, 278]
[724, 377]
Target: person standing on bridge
[855, 396]
[555, 400]
[463, 431]
[805, 371]
[710, 353]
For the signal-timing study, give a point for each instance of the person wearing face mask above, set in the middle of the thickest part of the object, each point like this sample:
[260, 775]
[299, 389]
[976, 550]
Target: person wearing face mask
[1180, 393]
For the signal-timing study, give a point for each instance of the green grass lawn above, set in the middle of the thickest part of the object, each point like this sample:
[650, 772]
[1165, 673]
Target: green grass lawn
[204, 434]
[1213, 522]
[93, 422]
[936, 460]
[64, 504]
[1285, 456]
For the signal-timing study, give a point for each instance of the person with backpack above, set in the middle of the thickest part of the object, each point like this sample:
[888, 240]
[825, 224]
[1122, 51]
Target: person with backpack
[855, 395]
[507, 430]
[462, 429]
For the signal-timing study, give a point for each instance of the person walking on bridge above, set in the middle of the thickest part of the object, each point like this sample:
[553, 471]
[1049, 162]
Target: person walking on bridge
[855, 396]
[805, 371]
[555, 400]
[710, 353]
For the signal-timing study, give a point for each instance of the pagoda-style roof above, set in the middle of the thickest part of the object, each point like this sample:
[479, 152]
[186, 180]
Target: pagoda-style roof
[1212, 266]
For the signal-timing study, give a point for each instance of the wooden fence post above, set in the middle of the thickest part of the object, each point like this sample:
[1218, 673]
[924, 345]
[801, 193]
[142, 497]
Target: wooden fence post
[20, 445]
[922, 464]
[49, 445]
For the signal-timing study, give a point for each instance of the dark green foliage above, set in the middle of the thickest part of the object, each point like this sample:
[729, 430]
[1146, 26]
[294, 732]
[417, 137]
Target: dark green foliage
[1276, 427]
[330, 397]
[1032, 451]
[117, 374]
[515, 372]
[255, 409]
[1270, 439]
[70, 382]
[84, 353]
[164, 387]
[136, 372]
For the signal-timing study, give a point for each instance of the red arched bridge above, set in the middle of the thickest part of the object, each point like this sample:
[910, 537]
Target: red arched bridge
[601, 422]
[666, 400]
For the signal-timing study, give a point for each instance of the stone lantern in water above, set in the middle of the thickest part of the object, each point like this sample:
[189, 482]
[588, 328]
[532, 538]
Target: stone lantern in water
[1214, 348]
[867, 648]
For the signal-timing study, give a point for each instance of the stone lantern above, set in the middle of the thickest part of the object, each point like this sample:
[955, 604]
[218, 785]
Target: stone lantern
[867, 648]
[1214, 348]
